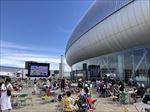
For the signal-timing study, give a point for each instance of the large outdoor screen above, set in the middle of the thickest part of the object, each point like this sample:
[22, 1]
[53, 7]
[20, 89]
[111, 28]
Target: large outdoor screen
[38, 70]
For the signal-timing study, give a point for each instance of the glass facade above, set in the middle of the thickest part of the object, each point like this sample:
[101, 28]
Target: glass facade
[132, 63]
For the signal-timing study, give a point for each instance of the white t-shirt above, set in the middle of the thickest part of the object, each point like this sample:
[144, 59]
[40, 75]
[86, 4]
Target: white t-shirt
[3, 87]
[9, 85]
[82, 92]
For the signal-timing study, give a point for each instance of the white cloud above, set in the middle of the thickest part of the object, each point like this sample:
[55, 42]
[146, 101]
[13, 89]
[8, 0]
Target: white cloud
[10, 45]
[12, 57]
[10, 62]
[67, 31]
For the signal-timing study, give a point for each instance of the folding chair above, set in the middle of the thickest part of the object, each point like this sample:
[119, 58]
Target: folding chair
[92, 104]
[59, 108]
[22, 99]
[140, 106]
[123, 97]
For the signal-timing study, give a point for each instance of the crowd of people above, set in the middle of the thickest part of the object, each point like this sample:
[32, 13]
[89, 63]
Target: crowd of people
[80, 101]
[105, 88]
[71, 99]
[132, 90]
[74, 96]
[112, 87]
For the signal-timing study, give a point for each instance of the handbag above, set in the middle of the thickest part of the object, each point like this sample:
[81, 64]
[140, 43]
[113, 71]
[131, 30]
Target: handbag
[8, 92]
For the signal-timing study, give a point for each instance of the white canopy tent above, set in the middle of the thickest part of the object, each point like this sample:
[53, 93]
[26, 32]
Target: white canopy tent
[8, 74]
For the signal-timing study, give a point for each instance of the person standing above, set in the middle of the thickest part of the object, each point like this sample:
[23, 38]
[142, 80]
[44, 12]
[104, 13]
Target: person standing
[63, 84]
[6, 89]
[2, 80]
[9, 89]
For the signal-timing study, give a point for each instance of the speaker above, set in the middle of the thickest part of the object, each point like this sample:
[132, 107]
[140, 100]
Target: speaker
[27, 64]
[84, 66]
[56, 72]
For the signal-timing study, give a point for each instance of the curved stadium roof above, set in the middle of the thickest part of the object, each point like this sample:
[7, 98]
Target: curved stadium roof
[97, 13]
[109, 26]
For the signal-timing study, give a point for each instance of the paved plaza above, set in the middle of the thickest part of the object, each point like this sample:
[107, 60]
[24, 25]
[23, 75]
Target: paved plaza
[103, 105]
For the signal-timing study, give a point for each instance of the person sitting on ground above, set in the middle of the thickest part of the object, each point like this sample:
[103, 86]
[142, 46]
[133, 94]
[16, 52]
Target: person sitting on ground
[134, 94]
[146, 98]
[103, 89]
[121, 86]
[138, 92]
[141, 91]
[68, 103]
[80, 100]
[86, 92]
[87, 97]
[80, 83]
[60, 102]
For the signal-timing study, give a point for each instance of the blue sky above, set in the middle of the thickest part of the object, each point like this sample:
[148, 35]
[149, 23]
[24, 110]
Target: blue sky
[37, 30]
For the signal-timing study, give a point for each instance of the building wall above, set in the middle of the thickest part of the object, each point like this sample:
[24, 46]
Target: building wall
[116, 40]
[129, 63]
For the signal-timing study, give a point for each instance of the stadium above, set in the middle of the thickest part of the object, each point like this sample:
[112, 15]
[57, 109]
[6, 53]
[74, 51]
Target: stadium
[113, 37]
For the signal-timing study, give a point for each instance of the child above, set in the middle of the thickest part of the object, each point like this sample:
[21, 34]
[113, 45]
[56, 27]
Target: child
[68, 103]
